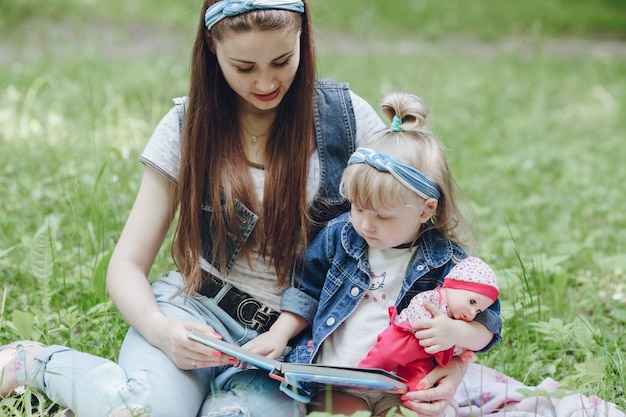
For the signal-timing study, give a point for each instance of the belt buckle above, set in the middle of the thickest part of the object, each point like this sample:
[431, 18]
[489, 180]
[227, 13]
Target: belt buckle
[246, 310]
[261, 318]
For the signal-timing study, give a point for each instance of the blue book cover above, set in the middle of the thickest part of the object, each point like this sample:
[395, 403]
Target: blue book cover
[296, 378]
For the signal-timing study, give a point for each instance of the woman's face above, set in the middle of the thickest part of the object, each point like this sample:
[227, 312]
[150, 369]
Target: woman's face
[259, 65]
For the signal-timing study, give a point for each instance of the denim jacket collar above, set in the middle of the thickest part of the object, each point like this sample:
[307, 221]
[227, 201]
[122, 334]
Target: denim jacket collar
[435, 251]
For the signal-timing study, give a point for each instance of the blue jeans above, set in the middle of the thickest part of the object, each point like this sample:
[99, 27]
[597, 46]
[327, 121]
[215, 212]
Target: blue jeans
[145, 379]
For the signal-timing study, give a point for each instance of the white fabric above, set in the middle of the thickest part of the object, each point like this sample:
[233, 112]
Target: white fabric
[347, 345]
[488, 393]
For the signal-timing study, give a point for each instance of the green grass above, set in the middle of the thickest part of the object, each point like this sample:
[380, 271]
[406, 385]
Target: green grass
[489, 19]
[535, 136]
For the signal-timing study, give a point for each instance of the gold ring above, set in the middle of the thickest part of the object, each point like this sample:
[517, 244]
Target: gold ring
[194, 363]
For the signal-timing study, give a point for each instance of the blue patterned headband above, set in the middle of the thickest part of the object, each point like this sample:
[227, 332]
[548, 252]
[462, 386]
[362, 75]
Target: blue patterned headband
[406, 174]
[229, 8]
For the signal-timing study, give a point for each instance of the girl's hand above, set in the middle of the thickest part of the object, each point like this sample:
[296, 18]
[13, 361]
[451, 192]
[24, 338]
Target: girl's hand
[267, 344]
[435, 334]
[273, 342]
[436, 391]
[186, 353]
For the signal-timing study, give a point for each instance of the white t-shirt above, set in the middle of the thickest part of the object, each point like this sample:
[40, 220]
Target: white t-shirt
[350, 343]
[163, 154]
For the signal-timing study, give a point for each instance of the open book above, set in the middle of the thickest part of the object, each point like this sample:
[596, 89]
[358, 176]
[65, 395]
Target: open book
[297, 379]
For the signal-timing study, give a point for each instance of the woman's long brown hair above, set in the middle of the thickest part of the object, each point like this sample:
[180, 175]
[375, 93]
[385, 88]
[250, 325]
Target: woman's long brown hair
[213, 158]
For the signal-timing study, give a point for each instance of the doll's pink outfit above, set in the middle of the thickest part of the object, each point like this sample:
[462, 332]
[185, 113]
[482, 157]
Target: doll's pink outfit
[397, 349]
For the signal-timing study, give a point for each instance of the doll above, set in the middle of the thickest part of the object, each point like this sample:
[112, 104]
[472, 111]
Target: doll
[469, 288]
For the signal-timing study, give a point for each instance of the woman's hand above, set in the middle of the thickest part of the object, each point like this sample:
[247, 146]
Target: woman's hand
[438, 333]
[436, 391]
[187, 353]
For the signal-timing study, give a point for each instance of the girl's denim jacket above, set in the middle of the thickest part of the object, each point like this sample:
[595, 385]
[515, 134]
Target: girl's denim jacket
[335, 132]
[333, 276]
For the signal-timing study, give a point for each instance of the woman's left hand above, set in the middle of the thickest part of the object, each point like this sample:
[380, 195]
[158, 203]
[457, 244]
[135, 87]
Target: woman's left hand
[436, 390]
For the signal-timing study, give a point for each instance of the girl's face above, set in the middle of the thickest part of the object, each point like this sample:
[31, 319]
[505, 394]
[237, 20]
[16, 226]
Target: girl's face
[259, 65]
[390, 227]
[465, 304]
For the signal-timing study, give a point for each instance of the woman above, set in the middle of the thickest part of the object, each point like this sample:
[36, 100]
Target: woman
[251, 162]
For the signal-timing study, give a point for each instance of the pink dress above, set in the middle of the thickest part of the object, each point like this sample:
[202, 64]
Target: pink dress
[397, 349]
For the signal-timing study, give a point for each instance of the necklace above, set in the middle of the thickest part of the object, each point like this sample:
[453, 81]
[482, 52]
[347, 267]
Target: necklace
[253, 138]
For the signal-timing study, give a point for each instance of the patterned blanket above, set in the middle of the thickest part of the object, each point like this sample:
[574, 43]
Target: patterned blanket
[486, 392]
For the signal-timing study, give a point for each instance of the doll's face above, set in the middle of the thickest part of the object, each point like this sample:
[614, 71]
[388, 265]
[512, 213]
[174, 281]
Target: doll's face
[465, 304]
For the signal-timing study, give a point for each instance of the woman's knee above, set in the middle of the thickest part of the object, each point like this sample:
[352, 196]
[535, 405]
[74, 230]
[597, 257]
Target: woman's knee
[251, 393]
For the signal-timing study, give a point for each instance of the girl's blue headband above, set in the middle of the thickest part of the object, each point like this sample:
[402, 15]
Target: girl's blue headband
[410, 177]
[229, 8]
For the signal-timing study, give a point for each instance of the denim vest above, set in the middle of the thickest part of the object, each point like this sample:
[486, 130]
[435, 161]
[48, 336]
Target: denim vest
[335, 132]
[336, 275]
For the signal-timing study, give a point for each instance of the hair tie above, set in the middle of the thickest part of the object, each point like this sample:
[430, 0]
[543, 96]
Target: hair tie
[229, 8]
[395, 124]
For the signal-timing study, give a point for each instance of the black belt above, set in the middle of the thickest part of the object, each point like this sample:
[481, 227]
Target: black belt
[239, 305]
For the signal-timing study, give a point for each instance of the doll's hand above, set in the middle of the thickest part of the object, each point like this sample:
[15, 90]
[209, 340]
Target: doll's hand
[435, 334]
[468, 356]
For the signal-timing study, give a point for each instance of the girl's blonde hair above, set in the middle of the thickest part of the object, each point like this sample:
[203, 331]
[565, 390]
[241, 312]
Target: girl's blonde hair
[417, 146]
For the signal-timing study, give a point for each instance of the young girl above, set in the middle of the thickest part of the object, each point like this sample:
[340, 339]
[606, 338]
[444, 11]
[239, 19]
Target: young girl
[403, 235]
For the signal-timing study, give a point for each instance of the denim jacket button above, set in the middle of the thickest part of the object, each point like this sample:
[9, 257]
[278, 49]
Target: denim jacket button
[330, 321]
[420, 267]
[354, 291]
